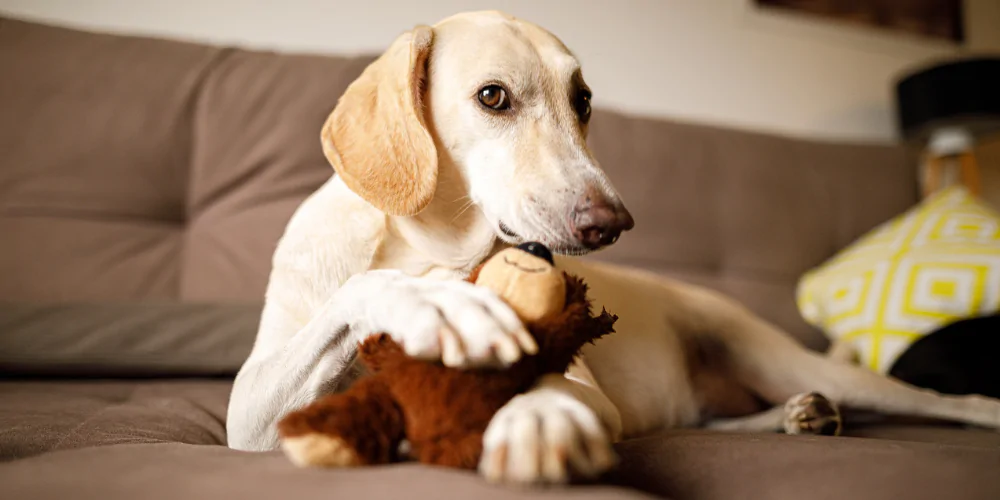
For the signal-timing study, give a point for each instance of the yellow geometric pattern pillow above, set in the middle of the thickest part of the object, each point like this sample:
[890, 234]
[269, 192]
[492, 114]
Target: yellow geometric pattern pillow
[934, 264]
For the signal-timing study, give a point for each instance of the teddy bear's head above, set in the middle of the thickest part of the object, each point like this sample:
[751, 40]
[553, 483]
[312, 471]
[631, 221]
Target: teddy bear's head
[552, 303]
[526, 278]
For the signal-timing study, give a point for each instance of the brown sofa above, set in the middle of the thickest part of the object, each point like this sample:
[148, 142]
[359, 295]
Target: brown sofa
[143, 184]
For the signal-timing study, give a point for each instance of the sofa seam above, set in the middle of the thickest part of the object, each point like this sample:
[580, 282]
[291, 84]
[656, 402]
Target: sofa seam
[77, 427]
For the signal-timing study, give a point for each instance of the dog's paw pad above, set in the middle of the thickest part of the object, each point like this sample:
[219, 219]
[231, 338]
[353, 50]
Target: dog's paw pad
[319, 450]
[812, 413]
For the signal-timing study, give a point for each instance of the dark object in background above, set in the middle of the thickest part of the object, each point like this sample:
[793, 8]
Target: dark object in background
[943, 110]
[959, 358]
[959, 92]
[943, 19]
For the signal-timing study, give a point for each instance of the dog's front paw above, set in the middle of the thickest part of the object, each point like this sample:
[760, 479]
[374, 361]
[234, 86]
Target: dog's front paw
[456, 322]
[812, 413]
[545, 437]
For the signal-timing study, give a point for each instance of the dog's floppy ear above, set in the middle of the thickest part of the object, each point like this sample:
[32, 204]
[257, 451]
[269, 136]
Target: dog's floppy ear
[376, 138]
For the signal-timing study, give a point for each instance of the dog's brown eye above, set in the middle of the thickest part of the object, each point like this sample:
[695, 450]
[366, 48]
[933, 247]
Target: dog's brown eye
[494, 97]
[582, 105]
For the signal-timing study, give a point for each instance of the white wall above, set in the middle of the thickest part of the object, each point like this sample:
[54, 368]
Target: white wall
[718, 61]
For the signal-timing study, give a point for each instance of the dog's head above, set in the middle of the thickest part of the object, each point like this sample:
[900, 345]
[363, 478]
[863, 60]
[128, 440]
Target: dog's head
[491, 103]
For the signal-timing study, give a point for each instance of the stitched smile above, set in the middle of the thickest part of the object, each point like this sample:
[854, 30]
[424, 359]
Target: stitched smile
[525, 269]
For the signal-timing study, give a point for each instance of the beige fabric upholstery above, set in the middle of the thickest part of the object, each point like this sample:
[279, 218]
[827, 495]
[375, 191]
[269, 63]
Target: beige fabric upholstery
[126, 339]
[148, 169]
[144, 184]
[742, 212]
[162, 439]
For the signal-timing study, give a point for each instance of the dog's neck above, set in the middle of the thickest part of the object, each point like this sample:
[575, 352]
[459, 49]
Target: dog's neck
[448, 238]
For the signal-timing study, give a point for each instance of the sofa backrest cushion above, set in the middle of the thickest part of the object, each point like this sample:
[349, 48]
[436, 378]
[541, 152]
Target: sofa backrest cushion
[134, 168]
[743, 212]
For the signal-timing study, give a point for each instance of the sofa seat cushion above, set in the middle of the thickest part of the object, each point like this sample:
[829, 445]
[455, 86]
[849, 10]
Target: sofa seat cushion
[942, 463]
[171, 470]
[44, 416]
[166, 439]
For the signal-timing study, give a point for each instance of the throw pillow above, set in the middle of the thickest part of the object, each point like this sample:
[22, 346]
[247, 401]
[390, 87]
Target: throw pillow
[937, 263]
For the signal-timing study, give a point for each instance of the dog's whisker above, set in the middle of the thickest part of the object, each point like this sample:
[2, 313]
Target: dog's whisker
[545, 227]
[537, 221]
[465, 208]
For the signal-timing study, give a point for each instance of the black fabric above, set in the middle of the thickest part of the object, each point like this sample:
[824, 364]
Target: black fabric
[959, 358]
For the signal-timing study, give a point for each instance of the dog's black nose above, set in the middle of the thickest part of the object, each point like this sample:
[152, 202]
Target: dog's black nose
[538, 250]
[597, 222]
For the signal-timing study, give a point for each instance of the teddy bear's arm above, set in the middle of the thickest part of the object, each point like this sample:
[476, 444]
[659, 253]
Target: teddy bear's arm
[562, 338]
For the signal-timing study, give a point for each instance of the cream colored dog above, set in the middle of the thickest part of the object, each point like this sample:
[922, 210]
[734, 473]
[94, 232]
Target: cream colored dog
[464, 138]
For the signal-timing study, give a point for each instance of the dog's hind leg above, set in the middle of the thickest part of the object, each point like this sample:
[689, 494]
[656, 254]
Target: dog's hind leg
[769, 420]
[842, 352]
[807, 413]
[776, 367]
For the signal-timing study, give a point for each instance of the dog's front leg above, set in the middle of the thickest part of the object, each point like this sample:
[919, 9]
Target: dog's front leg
[455, 321]
[563, 427]
[280, 377]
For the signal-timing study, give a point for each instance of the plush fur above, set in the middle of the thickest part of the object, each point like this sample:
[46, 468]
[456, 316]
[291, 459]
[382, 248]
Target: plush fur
[443, 412]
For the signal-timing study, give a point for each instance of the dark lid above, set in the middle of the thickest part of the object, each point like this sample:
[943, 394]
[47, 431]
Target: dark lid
[961, 92]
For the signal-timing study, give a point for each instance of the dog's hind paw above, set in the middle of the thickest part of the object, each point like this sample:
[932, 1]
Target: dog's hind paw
[812, 413]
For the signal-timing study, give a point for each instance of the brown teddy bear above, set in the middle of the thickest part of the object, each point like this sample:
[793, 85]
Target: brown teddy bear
[443, 412]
